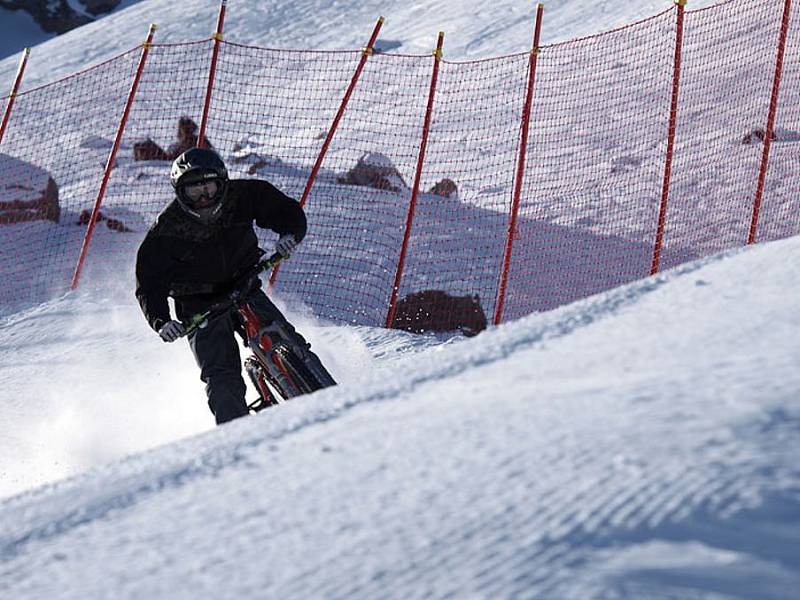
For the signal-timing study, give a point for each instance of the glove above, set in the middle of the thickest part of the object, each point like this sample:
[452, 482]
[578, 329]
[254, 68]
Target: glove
[171, 331]
[285, 244]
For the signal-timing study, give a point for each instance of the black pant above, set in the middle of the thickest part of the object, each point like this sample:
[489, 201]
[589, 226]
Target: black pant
[216, 351]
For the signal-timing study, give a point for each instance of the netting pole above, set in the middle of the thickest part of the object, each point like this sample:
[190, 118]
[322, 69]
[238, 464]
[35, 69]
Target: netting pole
[437, 59]
[212, 72]
[673, 119]
[521, 155]
[112, 157]
[366, 52]
[773, 109]
[20, 71]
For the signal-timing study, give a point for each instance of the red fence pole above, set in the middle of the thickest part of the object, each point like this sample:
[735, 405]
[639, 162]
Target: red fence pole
[211, 74]
[437, 58]
[7, 114]
[366, 52]
[673, 118]
[523, 148]
[773, 109]
[112, 157]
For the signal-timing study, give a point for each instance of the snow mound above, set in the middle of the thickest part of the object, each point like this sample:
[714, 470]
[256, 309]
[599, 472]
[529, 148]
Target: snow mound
[639, 443]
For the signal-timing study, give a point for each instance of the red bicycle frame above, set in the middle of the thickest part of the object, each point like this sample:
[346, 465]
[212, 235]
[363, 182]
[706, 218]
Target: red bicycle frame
[259, 341]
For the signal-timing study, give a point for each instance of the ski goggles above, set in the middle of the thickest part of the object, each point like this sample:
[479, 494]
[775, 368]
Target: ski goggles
[208, 188]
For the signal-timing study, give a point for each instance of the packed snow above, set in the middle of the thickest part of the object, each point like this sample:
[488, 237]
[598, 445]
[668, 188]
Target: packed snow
[640, 443]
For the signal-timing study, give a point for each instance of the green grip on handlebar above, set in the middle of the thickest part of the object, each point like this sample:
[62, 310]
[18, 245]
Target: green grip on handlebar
[195, 322]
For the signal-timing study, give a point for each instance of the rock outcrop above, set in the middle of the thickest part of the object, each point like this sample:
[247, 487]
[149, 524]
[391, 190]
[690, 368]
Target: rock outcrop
[376, 171]
[59, 16]
[438, 311]
[446, 188]
[27, 192]
[185, 138]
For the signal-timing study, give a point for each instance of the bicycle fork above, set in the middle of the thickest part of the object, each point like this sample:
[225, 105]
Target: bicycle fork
[266, 342]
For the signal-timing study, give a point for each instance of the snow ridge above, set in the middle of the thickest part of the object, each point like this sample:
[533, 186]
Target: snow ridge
[414, 374]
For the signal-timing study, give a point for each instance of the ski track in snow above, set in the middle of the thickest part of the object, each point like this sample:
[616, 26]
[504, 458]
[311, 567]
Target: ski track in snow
[412, 378]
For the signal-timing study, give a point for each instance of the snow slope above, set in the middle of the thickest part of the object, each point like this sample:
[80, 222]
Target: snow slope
[638, 444]
[475, 28]
[52, 410]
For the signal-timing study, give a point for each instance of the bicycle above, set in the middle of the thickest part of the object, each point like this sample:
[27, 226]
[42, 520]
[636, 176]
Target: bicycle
[278, 368]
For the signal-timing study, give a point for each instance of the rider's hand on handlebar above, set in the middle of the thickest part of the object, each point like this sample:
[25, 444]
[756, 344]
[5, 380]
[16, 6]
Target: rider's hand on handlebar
[285, 245]
[171, 331]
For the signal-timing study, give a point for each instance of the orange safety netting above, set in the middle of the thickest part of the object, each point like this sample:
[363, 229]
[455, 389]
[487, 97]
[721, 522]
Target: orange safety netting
[595, 162]
[591, 188]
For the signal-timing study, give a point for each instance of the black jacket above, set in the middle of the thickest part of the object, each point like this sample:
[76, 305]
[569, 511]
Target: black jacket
[195, 263]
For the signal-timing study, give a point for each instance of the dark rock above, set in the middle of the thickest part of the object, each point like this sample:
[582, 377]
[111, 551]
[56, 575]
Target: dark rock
[436, 310]
[117, 225]
[59, 16]
[99, 7]
[445, 188]
[148, 150]
[86, 216]
[757, 136]
[112, 224]
[186, 138]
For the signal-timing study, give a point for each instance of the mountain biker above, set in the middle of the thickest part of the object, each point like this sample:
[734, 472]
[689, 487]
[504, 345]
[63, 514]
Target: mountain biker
[193, 252]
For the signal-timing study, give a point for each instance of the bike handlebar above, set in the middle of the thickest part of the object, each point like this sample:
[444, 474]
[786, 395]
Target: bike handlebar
[200, 320]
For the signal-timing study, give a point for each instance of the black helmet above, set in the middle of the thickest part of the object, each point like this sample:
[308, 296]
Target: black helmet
[200, 180]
